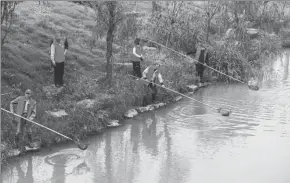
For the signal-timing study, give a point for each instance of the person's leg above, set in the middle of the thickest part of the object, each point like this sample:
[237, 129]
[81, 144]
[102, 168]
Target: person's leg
[20, 133]
[134, 68]
[55, 75]
[201, 74]
[61, 73]
[138, 70]
[153, 89]
[29, 133]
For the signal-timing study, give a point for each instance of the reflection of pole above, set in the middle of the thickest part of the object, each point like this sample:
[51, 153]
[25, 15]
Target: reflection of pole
[28, 177]
[135, 140]
[149, 135]
[59, 172]
[108, 153]
[168, 143]
[286, 69]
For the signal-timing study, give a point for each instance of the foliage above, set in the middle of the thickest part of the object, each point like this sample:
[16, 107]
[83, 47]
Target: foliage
[7, 18]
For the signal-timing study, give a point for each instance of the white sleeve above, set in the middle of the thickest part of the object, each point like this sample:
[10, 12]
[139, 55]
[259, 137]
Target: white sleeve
[134, 52]
[52, 50]
[160, 78]
[145, 72]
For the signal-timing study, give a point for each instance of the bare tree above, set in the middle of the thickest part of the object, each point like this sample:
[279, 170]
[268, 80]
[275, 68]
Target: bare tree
[111, 16]
[7, 17]
[210, 9]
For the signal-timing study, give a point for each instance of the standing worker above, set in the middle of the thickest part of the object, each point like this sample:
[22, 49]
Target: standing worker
[202, 56]
[151, 74]
[137, 58]
[58, 52]
[26, 107]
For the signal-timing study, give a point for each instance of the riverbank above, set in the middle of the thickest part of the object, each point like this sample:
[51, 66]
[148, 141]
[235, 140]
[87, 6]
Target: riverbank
[7, 153]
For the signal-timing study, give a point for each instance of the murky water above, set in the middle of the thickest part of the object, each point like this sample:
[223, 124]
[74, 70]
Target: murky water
[184, 142]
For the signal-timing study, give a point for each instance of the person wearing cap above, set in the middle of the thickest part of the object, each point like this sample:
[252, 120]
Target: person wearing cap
[137, 58]
[152, 74]
[26, 107]
[58, 52]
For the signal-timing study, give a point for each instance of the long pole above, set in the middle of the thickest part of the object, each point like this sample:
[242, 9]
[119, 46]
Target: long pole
[37, 124]
[175, 92]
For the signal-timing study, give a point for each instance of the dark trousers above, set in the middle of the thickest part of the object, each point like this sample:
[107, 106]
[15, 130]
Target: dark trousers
[137, 69]
[152, 89]
[22, 127]
[200, 69]
[58, 73]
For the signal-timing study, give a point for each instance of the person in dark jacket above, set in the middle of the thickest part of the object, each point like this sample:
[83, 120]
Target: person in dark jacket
[58, 52]
[202, 56]
[136, 58]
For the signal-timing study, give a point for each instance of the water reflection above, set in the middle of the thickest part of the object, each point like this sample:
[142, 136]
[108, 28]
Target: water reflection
[22, 177]
[150, 138]
[59, 171]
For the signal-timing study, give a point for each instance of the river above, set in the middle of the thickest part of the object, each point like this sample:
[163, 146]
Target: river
[184, 142]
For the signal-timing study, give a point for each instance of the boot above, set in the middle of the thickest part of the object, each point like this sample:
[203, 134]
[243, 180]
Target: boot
[16, 141]
[29, 135]
[153, 98]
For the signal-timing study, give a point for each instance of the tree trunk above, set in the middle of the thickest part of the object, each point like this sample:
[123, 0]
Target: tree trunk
[207, 30]
[110, 37]
[154, 7]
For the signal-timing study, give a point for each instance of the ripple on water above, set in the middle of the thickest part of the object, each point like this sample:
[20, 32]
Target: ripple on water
[66, 157]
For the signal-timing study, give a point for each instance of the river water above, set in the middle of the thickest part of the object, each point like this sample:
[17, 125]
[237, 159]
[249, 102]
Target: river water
[184, 142]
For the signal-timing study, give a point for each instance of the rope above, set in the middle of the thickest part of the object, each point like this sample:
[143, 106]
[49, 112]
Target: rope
[37, 124]
[194, 60]
[176, 92]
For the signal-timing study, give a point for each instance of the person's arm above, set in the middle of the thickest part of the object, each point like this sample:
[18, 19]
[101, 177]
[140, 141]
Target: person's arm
[52, 51]
[207, 59]
[134, 52]
[33, 113]
[65, 46]
[160, 79]
[12, 103]
[144, 74]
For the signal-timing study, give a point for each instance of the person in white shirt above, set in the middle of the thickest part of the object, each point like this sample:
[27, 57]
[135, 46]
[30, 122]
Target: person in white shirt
[58, 52]
[136, 58]
[26, 107]
[152, 74]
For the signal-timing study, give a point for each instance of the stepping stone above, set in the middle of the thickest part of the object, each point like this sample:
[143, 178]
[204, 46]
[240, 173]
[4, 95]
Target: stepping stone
[131, 113]
[113, 123]
[51, 91]
[178, 98]
[192, 87]
[57, 114]
[87, 103]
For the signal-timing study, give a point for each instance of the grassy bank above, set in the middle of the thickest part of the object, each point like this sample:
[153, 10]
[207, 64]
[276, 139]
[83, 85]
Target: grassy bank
[26, 64]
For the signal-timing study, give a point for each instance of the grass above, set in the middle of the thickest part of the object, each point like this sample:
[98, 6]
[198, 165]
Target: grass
[26, 64]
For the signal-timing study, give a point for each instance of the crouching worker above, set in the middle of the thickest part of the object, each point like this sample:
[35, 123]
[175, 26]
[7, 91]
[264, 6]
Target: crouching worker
[151, 74]
[26, 107]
